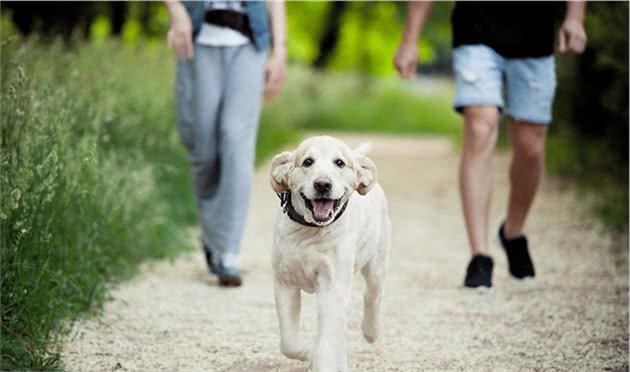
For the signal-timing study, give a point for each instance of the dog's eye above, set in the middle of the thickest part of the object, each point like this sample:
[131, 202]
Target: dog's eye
[307, 162]
[340, 163]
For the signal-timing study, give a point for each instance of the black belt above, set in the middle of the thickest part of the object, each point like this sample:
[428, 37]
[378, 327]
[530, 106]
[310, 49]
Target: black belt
[228, 18]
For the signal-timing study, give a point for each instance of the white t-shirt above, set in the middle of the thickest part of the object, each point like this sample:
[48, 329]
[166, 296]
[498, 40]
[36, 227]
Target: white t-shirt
[214, 35]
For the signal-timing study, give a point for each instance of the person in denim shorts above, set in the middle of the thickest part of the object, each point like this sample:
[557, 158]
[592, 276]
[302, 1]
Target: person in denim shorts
[503, 62]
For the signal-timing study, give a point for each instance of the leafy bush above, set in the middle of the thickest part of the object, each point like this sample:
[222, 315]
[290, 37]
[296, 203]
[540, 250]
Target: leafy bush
[589, 139]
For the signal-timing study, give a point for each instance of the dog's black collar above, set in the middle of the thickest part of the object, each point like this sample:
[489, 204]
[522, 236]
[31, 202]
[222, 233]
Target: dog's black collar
[287, 207]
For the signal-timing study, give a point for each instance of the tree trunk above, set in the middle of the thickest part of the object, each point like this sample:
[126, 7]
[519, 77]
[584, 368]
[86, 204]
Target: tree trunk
[119, 13]
[330, 36]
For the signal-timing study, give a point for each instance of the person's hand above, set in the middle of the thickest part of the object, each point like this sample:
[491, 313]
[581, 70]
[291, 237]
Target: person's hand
[406, 59]
[179, 36]
[571, 37]
[275, 71]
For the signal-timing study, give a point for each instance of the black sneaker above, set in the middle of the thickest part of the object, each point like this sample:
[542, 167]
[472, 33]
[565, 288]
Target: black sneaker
[519, 261]
[479, 272]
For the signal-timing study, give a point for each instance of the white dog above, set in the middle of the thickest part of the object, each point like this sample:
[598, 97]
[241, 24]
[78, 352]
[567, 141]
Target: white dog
[325, 232]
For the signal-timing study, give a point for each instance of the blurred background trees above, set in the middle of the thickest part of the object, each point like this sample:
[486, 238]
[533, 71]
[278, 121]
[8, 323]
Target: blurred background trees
[589, 136]
[326, 35]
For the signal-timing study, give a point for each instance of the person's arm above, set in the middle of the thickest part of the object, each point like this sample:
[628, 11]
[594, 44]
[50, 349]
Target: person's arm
[406, 58]
[276, 63]
[572, 37]
[179, 36]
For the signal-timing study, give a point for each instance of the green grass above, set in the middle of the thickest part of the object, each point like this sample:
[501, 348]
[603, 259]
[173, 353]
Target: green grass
[94, 181]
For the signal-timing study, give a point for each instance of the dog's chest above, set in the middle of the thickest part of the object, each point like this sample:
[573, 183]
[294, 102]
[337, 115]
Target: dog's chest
[304, 269]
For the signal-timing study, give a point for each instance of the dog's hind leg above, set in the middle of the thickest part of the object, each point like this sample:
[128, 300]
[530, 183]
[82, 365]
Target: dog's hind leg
[374, 274]
[371, 302]
[288, 304]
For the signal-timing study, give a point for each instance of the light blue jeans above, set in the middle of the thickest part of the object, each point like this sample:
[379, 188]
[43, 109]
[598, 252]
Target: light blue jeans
[219, 98]
[483, 77]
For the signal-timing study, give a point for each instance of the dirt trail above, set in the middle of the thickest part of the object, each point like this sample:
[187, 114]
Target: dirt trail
[573, 317]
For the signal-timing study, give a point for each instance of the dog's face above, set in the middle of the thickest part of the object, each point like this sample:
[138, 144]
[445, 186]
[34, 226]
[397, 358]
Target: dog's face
[321, 174]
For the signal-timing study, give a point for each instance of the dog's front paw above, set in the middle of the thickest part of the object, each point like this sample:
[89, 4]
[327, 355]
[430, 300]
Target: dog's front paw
[295, 352]
[371, 328]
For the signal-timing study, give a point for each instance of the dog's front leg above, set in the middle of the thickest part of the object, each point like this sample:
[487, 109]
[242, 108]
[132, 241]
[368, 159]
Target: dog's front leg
[331, 350]
[288, 303]
[343, 298]
[324, 358]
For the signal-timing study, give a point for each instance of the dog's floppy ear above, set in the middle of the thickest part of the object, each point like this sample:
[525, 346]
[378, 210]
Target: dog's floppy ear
[364, 169]
[281, 165]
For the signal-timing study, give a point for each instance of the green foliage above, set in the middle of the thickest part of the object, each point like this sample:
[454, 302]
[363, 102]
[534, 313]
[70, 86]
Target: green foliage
[589, 139]
[304, 24]
[593, 166]
[351, 102]
[93, 181]
[100, 29]
[364, 47]
[131, 32]
[369, 35]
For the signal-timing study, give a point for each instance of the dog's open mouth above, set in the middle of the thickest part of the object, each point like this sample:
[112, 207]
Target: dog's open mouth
[323, 209]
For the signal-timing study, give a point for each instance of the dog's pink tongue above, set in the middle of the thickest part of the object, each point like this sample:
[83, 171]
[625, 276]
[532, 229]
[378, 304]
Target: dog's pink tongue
[322, 208]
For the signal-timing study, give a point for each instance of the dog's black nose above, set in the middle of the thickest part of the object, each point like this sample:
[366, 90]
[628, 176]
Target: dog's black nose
[322, 186]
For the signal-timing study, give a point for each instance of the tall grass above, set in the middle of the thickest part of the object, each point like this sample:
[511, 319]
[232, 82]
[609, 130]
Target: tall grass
[93, 181]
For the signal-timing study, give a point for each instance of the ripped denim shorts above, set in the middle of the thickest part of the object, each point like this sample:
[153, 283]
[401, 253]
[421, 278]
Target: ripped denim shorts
[524, 86]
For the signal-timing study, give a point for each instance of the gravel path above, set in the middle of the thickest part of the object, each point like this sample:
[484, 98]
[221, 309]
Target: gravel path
[573, 317]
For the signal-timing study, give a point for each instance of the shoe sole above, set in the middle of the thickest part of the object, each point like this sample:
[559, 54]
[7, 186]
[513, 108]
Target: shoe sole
[481, 290]
[225, 281]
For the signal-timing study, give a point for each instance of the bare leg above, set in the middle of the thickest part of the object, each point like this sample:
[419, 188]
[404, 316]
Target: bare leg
[288, 303]
[528, 143]
[481, 125]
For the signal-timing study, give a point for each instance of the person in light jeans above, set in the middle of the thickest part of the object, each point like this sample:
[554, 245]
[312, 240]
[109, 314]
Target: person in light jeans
[503, 62]
[223, 71]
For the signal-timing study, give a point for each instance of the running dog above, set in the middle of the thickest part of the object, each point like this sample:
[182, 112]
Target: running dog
[333, 222]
